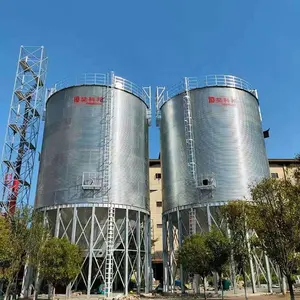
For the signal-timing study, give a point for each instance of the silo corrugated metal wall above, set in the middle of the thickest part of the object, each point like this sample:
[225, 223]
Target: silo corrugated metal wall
[228, 141]
[74, 143]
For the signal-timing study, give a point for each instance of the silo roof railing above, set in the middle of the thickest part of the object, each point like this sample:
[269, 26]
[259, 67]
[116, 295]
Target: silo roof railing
[190, 83]
[108, 79]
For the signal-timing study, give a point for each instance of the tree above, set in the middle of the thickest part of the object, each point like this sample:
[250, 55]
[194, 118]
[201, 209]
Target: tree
[6, 247]
[295, 170]
[60, 262]
[37, 238]
[235, 213]
[16, 227]
[6, 251]
[219, 246]
[275, 219]
[21, 237]
[195, 256]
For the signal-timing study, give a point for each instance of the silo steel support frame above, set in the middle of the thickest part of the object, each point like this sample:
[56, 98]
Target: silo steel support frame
[148, 258]
[165, 254]
[172, 254]
[181, 231]
[86, 225]
[138, 259]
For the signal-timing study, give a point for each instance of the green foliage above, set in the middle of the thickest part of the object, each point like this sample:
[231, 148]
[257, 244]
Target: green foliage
[60, 261]
[194, 255]
[21, 236]
[15, 231]
[273, 215]
[37, 238]
[235, 213]
[275, 219]
[6, 247]
[203, 254]
[296, 170]
[219, 246]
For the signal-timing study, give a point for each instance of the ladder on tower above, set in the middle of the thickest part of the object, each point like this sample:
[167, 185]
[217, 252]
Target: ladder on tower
[108, 106]
[189, 134]
[110, 242]
[192, 221]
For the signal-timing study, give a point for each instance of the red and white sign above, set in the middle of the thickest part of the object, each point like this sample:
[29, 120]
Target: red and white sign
[88, 100]
[221, 101]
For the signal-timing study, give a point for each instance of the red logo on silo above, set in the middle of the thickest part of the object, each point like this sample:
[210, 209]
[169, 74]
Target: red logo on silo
[88, 100]
[221, 101]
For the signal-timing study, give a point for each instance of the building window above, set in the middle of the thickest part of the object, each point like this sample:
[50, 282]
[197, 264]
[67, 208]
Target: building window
[157, 175]
[274, 175]
[158, 225]
[158, 203]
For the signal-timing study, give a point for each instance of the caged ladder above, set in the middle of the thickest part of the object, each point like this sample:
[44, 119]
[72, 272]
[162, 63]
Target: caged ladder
[110, 240]
[109, 263]
[189, 134]
[108, 112]
[192, 221]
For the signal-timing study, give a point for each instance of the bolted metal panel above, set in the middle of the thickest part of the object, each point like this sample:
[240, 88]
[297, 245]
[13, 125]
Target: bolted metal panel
[228, 143]
[73, 153]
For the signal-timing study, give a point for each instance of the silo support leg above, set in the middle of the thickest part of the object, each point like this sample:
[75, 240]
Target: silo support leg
[232, 265]
[91, 251]
[180, 240]
[269, 277]
[138, 242]
[57, 223]
[73, 241]
[74, 223]
[126, 253]
[208, 217]
[147, 241]
[171, 255]
[25, 281]
[165, 256]
[252, 271]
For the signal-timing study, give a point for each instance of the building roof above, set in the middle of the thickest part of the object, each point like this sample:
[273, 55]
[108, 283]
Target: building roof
[278, 161]
[154, 162]
[283, 161]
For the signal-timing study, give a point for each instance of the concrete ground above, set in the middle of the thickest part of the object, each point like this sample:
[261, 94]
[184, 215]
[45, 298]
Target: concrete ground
[228, 295]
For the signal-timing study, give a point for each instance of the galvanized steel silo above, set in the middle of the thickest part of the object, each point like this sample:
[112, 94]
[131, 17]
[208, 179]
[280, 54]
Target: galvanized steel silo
[212, 149]
[93, 178]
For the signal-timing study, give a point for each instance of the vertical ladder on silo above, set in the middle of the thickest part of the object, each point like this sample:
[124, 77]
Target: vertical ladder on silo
[108, 111]
[110, 242]
[189, 134]
[192, 221]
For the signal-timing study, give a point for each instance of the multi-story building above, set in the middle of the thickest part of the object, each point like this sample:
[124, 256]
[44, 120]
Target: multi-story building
[279, 168]
[156, 216]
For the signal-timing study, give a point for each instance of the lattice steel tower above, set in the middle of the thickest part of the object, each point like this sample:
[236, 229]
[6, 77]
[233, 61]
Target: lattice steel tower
[20, 144]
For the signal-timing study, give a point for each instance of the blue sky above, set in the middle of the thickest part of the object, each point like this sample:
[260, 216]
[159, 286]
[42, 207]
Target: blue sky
[158, 42]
